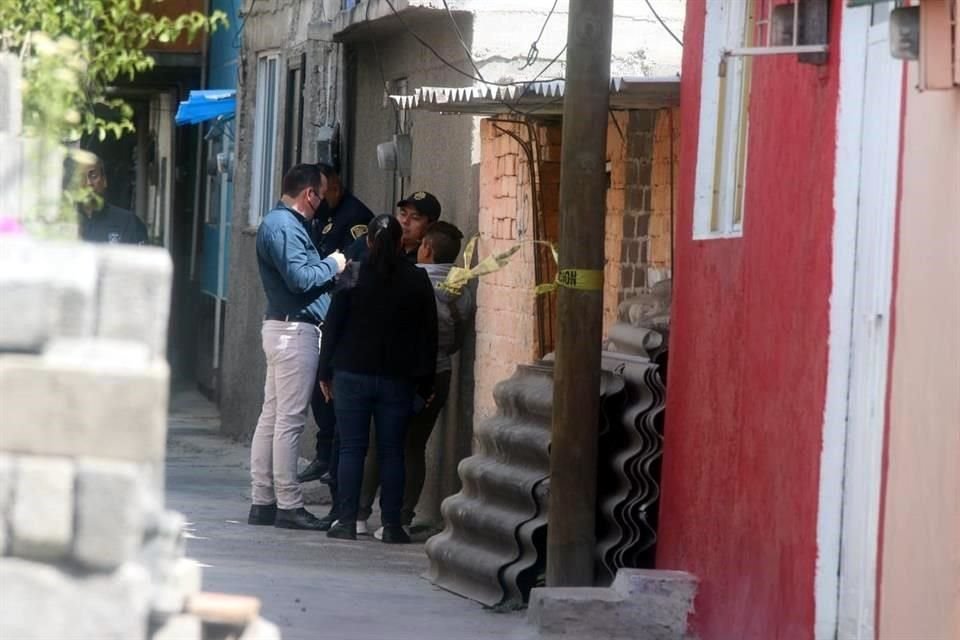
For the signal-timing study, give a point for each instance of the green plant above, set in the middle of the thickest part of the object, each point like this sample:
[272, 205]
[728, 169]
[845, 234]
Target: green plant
[74, 50]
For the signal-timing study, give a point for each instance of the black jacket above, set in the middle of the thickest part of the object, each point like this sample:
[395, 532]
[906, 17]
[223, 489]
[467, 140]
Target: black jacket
[113, 225]
[337, 229]
[384, 325]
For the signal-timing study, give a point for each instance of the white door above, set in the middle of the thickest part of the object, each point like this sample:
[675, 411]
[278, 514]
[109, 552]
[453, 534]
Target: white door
[873, 283]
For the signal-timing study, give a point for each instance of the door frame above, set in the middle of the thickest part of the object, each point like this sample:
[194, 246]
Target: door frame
[840, 502]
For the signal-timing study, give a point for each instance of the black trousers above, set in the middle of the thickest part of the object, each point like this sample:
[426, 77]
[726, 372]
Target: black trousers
[326, 425]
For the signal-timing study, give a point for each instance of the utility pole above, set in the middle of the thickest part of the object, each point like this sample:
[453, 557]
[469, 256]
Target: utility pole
[576, 396]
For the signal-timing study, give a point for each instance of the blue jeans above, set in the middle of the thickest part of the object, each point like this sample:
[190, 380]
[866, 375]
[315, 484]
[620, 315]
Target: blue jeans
[389, 401]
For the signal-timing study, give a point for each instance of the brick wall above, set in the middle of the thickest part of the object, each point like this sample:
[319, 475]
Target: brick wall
[637, 239]
[666, 168]
[506, 309]
[508, 332]
[618, 158]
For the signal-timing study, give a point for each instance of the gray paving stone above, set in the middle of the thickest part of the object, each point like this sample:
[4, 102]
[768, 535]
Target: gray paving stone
[260, 629]
[7, 479]
[134, 295]
[41, 602]
[180, 627]
[40, 297]
[648, 604]
[110, 514]
[41, 523]
[172, 585]
[77, 406]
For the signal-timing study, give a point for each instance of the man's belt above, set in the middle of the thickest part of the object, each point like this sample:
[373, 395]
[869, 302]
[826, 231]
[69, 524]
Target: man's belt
[293, 317]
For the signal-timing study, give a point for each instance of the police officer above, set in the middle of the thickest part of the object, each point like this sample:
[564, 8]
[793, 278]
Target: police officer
[100, 221]
[340, 223]
[341, 219]
[415, 213]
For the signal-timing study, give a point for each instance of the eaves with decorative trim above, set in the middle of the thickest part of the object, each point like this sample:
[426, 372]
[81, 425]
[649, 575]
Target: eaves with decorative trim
[538, 98]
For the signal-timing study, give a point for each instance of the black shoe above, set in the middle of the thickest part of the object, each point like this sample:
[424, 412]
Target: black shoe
[297, 519]
[262, 514]
[327, 521]
[314, 471]
[394, 534]
[343, 531]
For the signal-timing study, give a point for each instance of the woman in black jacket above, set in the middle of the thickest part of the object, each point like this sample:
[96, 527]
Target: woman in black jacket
[377, 358]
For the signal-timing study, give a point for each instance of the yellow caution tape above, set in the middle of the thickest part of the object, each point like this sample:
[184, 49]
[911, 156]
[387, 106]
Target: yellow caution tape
[579, 279]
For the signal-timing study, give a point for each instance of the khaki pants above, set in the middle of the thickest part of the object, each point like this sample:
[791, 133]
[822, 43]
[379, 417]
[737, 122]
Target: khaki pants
[292, 350]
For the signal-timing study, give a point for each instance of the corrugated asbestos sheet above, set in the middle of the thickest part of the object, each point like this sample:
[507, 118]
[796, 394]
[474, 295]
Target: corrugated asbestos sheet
[493, 544]
[628, 478]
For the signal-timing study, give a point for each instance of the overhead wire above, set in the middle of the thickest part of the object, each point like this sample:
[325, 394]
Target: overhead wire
[662, 23]
[446, 62]
[534, 52]
[525, 84]
[383, 75]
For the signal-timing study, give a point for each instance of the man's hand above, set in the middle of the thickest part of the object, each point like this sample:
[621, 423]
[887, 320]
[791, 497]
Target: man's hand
[340, 259]
[326, 390]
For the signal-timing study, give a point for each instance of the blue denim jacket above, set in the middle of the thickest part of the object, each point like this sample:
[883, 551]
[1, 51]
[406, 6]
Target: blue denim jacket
[295, 278]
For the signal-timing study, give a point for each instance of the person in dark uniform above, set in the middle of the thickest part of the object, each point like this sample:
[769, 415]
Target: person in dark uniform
[101, 221]
[415, 214]
[341, 221]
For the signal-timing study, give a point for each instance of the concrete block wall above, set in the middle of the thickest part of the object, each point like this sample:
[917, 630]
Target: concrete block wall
[617, 159]
[87, 549]
[652, 165]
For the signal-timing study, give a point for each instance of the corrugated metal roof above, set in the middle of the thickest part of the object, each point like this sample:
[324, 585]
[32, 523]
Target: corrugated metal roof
[540, 97]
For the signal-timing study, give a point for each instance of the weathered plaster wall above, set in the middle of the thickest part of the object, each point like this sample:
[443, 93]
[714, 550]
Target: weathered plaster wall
[442, 164]
[441, 144]
[919, 586]
[272, 26]
[748, 358]
[504, 30]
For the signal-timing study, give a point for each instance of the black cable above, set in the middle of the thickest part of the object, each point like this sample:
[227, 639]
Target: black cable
[463, 43]
[243, 23]
[383, 75]
[613, 116]
[662, 23]
[534, 52]
[446, 62]
[466, 49]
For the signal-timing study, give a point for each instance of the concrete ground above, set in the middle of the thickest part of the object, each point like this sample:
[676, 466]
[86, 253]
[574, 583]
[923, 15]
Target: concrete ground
[312, 587]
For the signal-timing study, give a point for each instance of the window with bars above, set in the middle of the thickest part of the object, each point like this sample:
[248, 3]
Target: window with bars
[778, 28]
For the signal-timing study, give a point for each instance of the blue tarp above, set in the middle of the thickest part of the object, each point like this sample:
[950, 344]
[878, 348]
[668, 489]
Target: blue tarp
[207, 105]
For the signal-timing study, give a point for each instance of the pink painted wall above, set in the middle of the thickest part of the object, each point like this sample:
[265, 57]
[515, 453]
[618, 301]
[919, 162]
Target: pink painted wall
[748, 359]
[919, 590]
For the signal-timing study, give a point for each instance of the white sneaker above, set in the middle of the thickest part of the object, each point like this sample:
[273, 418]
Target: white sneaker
[362, 529]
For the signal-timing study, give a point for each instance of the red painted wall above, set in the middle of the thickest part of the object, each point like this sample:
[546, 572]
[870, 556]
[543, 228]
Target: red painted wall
[748, 361]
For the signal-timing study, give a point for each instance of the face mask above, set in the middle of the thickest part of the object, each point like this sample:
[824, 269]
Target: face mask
[313, 206]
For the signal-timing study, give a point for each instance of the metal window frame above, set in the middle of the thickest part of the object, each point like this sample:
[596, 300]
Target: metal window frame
[264, 134]
[764, 21]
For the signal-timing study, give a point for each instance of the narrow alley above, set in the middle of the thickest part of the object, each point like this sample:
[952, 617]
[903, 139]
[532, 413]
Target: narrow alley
[311, 587]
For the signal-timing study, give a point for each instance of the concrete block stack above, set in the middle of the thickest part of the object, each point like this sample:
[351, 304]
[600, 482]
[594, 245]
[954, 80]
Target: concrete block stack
[87, 549]
[641, 604]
